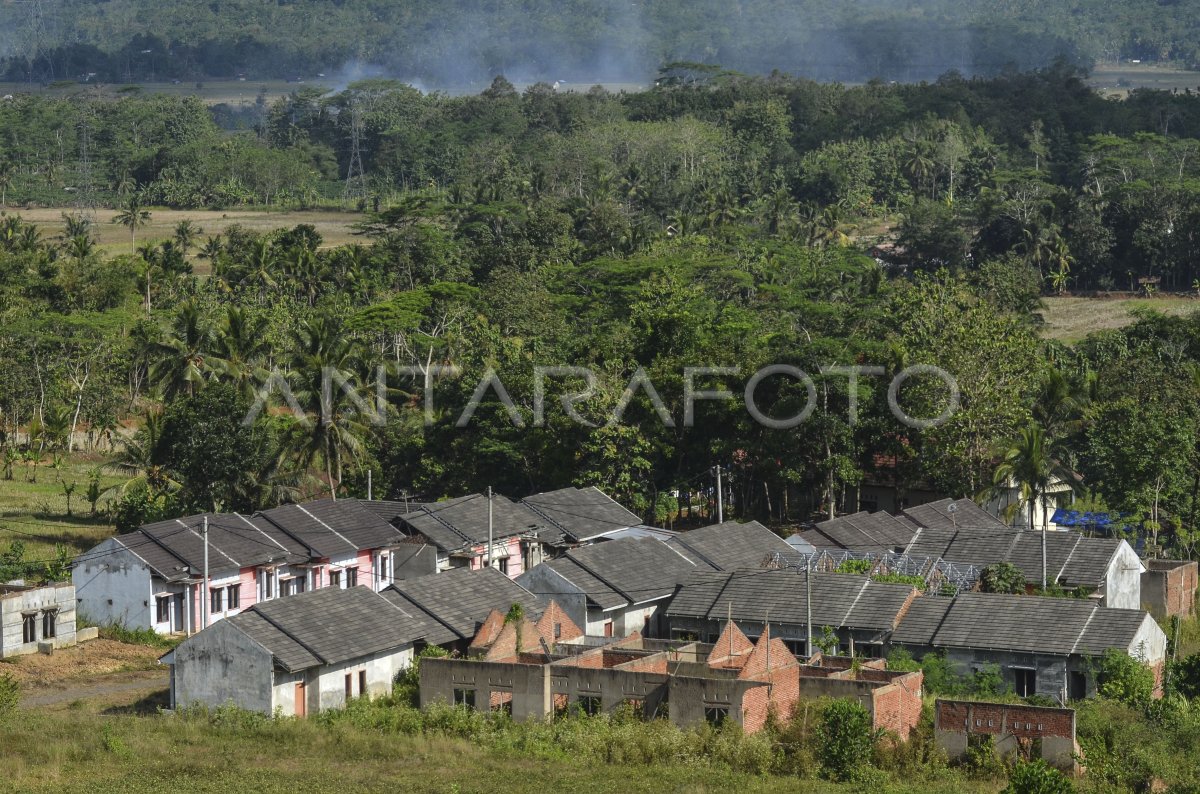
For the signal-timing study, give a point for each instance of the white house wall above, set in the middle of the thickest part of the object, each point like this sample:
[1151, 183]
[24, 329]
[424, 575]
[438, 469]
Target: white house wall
[1150, 643]
[113, 585]
[325, 686]
[1123, 582]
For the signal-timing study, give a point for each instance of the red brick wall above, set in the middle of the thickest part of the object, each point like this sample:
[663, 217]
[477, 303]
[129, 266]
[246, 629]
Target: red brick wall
[959, 716]
[647, 664]
[780, 697]
[567, 628]
[897, 707]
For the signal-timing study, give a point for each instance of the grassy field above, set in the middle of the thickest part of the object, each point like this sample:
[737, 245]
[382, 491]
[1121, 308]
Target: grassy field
[36, 512]
[335, 227]
[1118, 81]
[1069, 319]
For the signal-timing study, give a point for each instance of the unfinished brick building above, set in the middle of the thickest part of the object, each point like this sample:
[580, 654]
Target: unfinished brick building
[1027, 731]
[538, 670]
[1169, 588]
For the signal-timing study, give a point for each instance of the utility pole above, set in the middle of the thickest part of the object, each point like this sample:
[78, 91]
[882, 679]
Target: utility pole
[489, 553]
[720, 499]
[808, 604]
[204, 596]
[369, 473]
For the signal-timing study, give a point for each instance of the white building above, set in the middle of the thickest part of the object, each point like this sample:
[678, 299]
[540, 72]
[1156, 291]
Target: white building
[36, 616]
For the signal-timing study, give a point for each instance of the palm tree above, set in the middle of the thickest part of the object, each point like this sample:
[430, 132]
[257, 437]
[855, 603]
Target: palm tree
[132, 215]
[186, 233]
[140, 458]
[260, 270]
[332, 431]
[239, 349]
[1030, 465]
[7, 172]
[181, 359]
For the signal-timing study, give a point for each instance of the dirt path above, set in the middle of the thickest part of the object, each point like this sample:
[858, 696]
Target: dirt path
[99, 688]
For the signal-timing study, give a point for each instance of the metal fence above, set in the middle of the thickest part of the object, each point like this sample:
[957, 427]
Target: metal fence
[940, 577]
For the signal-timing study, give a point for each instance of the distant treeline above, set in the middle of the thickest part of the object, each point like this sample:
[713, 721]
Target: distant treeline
[466, 41]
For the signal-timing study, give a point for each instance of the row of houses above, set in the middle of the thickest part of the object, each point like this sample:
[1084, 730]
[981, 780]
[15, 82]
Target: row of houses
[153, 577]
[961, 532]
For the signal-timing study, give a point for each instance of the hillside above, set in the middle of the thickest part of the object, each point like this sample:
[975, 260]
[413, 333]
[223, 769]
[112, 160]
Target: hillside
[446, 44]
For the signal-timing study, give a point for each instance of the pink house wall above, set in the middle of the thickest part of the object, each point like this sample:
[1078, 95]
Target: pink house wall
[509, 546]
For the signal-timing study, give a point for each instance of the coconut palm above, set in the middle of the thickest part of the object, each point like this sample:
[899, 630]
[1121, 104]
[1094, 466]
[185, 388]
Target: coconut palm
[140, 459]
[181, 359]
[131, 215]
[332, 430]
[1031, 466]
[185, 236]
[7, 171]
[239, 348]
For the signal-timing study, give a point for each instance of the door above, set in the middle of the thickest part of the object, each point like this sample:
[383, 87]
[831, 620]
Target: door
[1076, 685]
[301, 699]
[177, 623]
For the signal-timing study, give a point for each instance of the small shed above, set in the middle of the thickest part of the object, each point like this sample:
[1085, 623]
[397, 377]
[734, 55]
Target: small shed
[36, 618]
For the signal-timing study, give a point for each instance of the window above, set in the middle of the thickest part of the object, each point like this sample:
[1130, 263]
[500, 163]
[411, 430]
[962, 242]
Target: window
[1076, 685]
[162, 609]
[234, 595]
[557, 631]
[49, 625]
[335, 578]
[266, 585]
[216, 600]
[464, 697]
[316, 578]
[351, 577]
[349, 686]
[589, 705]
[1026, 681]
[504, 565]
[298, 585]
[362, 682]
[715, 715]
[29, 628]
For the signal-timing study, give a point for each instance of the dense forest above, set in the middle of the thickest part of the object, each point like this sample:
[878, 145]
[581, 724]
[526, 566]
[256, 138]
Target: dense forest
[719, 223]
[464, 42]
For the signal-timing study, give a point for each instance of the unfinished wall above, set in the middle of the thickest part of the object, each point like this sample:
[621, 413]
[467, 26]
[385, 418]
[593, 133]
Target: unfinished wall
[16, 604]
[1169, 588]
[526, 685]
[1047, 733]
[546, 583]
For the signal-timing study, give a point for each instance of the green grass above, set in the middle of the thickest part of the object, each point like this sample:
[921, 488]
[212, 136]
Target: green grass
[1069, 319]
[36, 512]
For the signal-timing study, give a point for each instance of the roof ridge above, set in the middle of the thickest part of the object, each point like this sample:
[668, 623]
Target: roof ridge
[258, 529]
[237, 564]
[184, 563]
[130, 549]
[1012, 544]
[255, 609]
[846, 617]
[424, 609]
[304, 510]
[1062, 571]
[1083, 630]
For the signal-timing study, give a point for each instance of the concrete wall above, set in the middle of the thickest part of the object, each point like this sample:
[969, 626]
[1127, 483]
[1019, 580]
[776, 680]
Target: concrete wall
[112, 585]
[528, 685]
[1123, 582]
[413, 561]
[1013, 728]
[36, 602]
[222, 665]
[1169, 588]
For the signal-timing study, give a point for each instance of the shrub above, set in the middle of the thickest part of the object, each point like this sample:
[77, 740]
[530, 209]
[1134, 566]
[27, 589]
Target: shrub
[856, 566]
[1002, 577]
[407, 689]
[10, 694]
[1125, 679]
[141, 636]
[845, 738]
[1037, 777]
[1185, 676]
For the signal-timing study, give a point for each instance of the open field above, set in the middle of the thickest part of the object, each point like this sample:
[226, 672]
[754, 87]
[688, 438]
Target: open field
[335, 227]
[1069, 318]
[1118, 81]
[36, 512]
[212, 92]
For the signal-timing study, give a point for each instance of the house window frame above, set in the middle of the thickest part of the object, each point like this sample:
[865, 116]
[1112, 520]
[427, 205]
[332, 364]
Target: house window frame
[716, 713]
[50, 624]
[335, 578]
[216, 600]
[162, 608]
[351, 577]
[1024, 681]
[233, 597]
[464, 696]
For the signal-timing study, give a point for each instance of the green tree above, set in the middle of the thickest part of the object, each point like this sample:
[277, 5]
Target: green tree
[845, 738]
[131, 215]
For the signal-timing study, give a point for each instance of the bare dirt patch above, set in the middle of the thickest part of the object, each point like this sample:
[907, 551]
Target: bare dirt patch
[83, 663]
[1070, 318]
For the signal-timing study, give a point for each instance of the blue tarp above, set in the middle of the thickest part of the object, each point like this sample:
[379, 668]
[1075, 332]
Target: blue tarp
[1075, 518]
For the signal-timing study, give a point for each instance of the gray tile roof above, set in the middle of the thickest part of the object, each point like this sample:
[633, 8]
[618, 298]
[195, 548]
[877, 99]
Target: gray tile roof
[234, 541]
[861, 532]
[161, 561]
[388, 510]
[329, 626]
[839, 600]
[1071, 559]
[581, 513]
[626, 571]
[1026, 624]
[330, 527]
[459, 600]
[731, 545]
[456, 524]
[966, 514]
